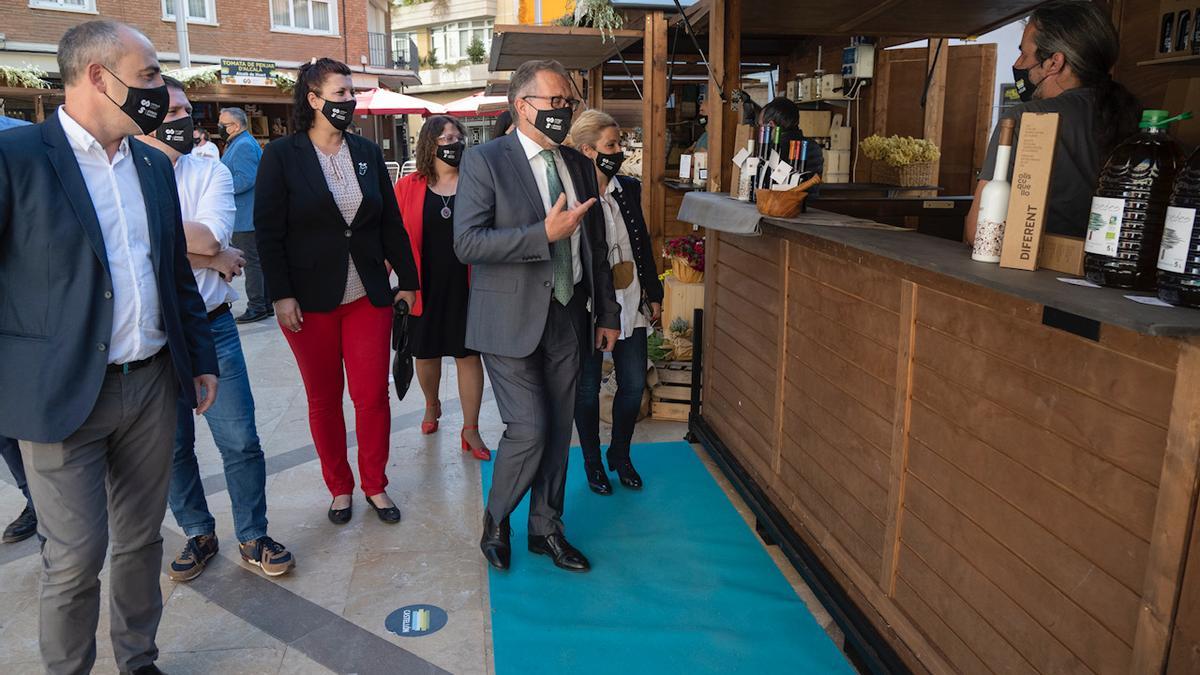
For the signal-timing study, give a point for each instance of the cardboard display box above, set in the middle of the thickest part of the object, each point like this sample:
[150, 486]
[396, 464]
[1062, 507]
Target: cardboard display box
[815, 123]
[839, 138]
[1061, 254]
[837, 161]
[1030, 191]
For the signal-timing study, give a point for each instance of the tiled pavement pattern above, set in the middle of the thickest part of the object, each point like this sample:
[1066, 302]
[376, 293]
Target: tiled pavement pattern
[328, 616]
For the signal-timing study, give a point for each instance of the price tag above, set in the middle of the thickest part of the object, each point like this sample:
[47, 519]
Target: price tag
[773, 161]
[781, 173]
[1078, 282]
[740, 159]
[1148, 300]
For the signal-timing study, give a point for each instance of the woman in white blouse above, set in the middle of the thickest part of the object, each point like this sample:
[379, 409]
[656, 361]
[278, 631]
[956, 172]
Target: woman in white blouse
[640, 294]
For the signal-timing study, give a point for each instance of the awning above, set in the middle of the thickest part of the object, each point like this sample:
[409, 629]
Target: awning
[478, 105]
[574, 47]
[384, 102]
[884, 18]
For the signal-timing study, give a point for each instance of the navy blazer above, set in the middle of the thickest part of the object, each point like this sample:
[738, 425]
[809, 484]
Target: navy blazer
[629, 198]
[56, 299]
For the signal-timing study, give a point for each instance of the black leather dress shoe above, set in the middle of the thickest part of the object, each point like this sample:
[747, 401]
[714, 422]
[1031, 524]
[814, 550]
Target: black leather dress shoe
[626, 473]
[389, 515]
[341, 516]
[495, 542]
[564, 554]
[24, 527]
[597, 479]
[147, 670]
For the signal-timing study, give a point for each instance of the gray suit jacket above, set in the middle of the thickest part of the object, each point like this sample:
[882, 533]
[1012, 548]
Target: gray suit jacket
[499, 229]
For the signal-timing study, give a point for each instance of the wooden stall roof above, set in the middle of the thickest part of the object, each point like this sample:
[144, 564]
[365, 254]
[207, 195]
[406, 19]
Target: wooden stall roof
[927, 18]
[574, 47]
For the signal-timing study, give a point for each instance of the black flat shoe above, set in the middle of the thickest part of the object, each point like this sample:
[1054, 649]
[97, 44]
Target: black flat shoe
[341, 516]
[495, 542]
[389, 515]
[24, 527]
[252, 317]
[597, 479]
[561, 551]
[626, 473]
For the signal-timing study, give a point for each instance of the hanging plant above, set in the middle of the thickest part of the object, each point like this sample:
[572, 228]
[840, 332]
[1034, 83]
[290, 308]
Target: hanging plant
[28, 77]
[284, 82]
[599, 14]
[196, 76]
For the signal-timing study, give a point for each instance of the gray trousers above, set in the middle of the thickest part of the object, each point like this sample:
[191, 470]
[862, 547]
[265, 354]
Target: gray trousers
[536, 397]
[107, 481]
[256, 287]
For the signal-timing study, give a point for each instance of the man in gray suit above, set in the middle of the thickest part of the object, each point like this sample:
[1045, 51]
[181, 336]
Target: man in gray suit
[523, 219]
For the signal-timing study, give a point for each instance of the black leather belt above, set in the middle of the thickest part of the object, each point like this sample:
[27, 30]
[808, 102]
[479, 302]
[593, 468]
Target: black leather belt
[129, 367]
[216, 313]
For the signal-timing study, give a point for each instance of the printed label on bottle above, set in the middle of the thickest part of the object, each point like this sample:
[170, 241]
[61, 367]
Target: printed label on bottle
[989, 238]
[1177, 239]
[1104, 226]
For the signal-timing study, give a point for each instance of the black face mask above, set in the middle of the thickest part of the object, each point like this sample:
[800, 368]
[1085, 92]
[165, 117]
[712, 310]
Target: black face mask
[339, 113]
[223, 132]
[196, 140]
[555, 123]
[146, 107]
[1025, 84]
[451, 154]
[609, 163]
[702, 120]
[177, 134]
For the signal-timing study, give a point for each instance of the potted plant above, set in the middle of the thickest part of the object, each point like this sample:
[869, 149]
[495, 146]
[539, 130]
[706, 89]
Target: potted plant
[901, 160]
[687, 258]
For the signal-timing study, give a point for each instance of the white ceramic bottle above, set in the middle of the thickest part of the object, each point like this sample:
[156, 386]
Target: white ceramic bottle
[993, 202]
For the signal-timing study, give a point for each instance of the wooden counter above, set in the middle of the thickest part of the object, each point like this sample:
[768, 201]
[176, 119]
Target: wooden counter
[998, 468]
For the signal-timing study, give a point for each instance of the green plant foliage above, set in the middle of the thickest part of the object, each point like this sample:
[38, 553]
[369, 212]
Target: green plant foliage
[28, 77]
[477, 52]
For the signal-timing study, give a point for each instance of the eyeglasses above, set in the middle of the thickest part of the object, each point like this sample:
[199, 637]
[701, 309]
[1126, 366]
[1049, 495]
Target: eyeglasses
[447, 139]
[558, 102]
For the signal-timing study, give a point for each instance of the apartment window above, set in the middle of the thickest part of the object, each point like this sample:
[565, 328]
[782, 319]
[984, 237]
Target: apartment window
[304, 16]
[65, 5]
[404, 50]
[452, 40]
[199, 11]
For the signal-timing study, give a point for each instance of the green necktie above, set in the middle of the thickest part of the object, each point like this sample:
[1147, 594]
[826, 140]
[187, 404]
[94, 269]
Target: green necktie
[564, 266]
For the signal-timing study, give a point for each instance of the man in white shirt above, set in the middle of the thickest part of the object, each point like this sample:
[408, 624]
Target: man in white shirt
[102, 331]
[207, 206]
[204, 147]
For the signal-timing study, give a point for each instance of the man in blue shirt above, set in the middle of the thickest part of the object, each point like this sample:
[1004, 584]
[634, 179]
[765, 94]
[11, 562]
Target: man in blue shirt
[25, 525]
[242, 154]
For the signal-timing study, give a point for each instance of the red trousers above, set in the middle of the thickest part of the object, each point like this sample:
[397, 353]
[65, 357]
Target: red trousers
[357, 334]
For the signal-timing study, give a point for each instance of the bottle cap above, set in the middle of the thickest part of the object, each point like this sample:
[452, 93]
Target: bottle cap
[1160, 119]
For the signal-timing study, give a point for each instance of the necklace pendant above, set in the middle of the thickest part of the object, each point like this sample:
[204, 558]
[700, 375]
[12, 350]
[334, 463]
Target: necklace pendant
[446, 212]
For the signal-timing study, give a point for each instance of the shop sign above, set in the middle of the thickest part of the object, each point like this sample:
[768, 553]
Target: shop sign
[247, 72]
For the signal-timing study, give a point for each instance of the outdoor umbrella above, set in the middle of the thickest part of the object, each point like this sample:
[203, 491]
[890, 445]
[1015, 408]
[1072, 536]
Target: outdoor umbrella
[402, 364]
[478, 105]
[384, 102]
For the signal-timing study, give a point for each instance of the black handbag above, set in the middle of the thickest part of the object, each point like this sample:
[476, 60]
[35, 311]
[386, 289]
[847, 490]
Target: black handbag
[402, 362]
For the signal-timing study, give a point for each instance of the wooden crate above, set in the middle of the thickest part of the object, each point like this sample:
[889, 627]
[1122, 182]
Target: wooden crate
[671, 397]
[680, 300]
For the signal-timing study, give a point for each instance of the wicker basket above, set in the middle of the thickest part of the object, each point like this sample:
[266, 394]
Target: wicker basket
[917, 174]
[682, 271]
[781, 203]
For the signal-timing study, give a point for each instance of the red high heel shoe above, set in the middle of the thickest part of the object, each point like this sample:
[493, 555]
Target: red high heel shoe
[431, 427]
[481, 453]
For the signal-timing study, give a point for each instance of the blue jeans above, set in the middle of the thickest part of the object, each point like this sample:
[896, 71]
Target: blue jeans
[629, 361]
[11, 453]
[231, 420]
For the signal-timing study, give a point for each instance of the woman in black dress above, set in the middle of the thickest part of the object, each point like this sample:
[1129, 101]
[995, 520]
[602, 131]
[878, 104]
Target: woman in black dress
[439, 324]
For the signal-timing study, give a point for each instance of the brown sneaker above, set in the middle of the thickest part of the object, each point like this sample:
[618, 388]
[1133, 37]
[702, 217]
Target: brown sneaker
[268, 554]
[190, 562]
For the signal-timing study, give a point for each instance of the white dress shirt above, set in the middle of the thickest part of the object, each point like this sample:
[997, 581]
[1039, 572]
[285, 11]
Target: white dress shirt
[206, 151]
[619, 250]
[116, 192]
[206, 197]
[538, 165]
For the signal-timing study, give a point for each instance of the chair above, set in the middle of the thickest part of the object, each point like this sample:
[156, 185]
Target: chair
[393, 170]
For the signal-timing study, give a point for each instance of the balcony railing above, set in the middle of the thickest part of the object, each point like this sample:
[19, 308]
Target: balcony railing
[378, 52]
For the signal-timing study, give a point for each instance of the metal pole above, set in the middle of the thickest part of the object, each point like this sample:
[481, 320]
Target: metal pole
[181, 34]
[537, 12]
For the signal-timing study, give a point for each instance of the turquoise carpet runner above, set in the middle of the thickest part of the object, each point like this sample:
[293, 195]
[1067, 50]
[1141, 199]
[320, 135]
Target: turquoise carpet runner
[679, 584]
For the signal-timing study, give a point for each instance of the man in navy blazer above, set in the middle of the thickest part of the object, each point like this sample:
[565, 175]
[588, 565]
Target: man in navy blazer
[101, 330]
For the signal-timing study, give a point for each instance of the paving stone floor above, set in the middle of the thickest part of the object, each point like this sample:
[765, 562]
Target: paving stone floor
[328, 616]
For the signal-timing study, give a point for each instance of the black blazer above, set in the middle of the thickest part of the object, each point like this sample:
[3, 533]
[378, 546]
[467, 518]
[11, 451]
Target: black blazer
[56, 291]
[629, 197]
[303, 241]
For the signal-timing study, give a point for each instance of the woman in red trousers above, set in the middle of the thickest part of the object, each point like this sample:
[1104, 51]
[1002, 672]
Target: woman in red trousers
[326, 220]
[439, 327]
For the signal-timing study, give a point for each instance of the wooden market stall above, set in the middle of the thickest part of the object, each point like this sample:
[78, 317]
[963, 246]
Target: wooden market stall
[977, 469]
